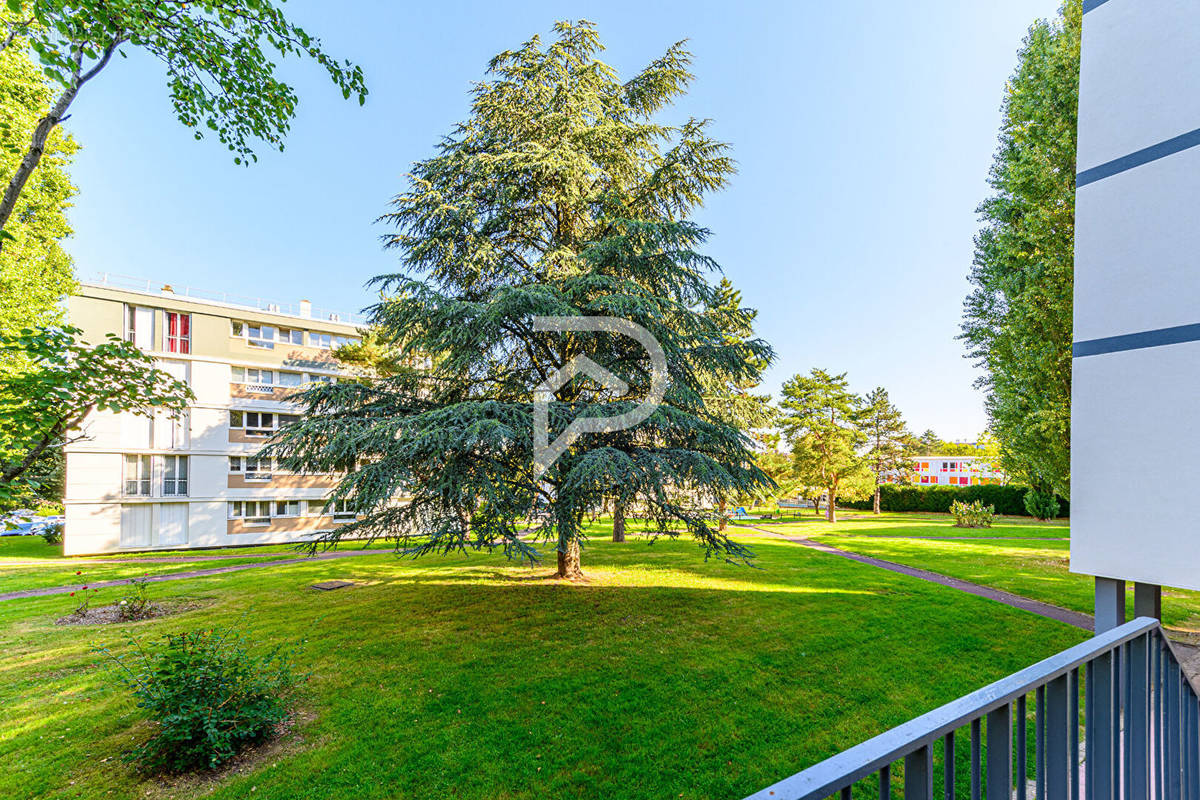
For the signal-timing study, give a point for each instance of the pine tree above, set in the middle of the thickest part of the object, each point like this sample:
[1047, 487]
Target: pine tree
[888, 439]
[821, 421]
[559, 196]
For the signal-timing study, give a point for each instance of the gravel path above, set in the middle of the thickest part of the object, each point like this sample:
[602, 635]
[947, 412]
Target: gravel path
[1047, 610]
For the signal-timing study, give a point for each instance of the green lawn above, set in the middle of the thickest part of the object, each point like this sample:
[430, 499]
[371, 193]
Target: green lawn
[663, 676]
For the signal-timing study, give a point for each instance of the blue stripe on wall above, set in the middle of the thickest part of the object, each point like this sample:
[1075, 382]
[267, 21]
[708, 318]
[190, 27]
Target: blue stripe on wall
[1152, 153]
[1136, 341]
[1092, 5]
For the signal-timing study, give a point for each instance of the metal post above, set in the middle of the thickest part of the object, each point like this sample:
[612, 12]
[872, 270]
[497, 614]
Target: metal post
[999, 753]
[1056, 760]
[918, 774]
[1137, 719]
[1110, 604]
[1147, 600]
[1101, 730]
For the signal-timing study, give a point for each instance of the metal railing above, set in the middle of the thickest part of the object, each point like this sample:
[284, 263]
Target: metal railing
[151, 286]
[1138, 735]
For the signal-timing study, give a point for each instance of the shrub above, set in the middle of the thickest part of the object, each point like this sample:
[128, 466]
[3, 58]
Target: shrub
[1042, 505]
[1007, 500]
[208, 695]
[52, 533]
[135, 604]
[972, 515]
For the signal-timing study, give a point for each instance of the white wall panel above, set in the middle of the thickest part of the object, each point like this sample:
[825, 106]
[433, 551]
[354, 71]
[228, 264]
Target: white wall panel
[1139, 73]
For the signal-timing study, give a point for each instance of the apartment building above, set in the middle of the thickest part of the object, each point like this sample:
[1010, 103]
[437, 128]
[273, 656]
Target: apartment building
[951, 471]
[197, 481]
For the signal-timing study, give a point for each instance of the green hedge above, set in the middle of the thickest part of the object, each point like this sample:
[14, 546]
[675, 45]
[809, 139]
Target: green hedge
[1008, 500]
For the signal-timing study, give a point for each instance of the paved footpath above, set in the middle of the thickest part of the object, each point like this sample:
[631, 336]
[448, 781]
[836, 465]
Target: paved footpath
[1047, 610]
[199, 573]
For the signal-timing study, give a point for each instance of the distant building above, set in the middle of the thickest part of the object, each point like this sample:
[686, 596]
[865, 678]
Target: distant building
[951, 471]
[136, 483]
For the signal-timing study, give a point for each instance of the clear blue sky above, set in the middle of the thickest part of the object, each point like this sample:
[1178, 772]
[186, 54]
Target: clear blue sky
[863, 132]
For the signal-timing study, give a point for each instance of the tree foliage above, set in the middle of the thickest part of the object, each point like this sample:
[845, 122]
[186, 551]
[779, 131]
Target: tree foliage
[44, 406]
[218, 54]
[1017, 320]
[821, 421]
[559, 196]
[889, 443]
[35, 271]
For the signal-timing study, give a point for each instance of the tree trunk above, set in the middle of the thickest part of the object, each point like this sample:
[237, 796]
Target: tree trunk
[722, 522]
[568, 561]
[876, 498]
[817, 505]
[619, 520]
[37, 143]
[830, 511]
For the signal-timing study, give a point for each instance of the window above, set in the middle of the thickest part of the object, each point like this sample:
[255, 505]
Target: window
[258, 469]
[137, 476]
[953, 480]
[933, 478]
[945, 466]
[320, 378]
[287, 508]
[321, 340]
[291, 336]
[287, 419]
[237, 328]
[179, 332]
[255, 423]
[259, 423]
[341, 510]
[254, 512]
[139, 326]
[260, 336]
[175, 476]
[924, 479]
[250, 375]
[290, 379]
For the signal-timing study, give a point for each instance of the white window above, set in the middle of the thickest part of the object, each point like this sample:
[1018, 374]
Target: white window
[313, 378]
[179, 431]
[175, 476]
[258, 469]
[291, 336]
[341, 510]
[137, 476]
[255, 423]
[260, 336]
[287, 508]
[139, 326]
[321, 340]
[254, 512]
[179, 332]
[291, 379]
[260, 423]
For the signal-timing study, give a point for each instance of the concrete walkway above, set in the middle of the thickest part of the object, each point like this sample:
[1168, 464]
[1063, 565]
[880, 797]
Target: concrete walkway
[1047, 610]
[177, 576]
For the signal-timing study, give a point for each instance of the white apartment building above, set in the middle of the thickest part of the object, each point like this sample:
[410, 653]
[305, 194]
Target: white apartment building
[135, 483]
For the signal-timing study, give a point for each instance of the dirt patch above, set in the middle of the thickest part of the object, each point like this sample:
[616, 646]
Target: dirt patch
[285, 740]
[111, 615]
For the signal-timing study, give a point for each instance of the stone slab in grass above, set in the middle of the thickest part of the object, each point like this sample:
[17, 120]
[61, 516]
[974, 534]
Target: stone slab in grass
[329, 586]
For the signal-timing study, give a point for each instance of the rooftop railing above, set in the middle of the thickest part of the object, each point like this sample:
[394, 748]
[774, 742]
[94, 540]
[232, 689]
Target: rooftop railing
[151, 286]
[1138, 735]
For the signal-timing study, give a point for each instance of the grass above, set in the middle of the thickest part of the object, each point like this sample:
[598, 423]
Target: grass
[663, 675]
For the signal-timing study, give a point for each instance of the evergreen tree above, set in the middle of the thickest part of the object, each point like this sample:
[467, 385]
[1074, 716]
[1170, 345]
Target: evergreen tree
[559, 196]
[888, 440]
[821, 421]
[929, 443]
[1017, 321]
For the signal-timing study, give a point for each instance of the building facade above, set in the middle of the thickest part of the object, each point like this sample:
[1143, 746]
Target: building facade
[134, 483]
[951, 471]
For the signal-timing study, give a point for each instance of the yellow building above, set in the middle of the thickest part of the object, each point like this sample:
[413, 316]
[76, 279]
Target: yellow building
[135, 483]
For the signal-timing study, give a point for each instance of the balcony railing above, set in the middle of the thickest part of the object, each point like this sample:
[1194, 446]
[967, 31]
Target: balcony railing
[1140, 734]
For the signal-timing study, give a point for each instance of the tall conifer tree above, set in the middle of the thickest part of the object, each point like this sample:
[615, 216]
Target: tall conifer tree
[561, 195]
